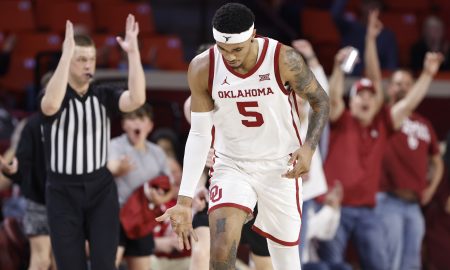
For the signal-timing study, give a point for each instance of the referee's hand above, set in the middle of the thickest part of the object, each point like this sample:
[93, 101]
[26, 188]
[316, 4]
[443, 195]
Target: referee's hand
[181, 220]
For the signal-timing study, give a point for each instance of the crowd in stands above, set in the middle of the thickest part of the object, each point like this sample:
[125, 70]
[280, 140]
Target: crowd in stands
[388, 199]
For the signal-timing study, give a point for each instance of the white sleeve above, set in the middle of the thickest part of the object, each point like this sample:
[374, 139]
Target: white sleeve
[196, 151]
[319, 73]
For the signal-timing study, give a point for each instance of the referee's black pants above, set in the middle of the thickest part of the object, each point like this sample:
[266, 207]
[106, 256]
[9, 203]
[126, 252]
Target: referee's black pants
[83, 208]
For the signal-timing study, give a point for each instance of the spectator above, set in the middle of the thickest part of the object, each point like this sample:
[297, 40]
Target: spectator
[31, 175]
[28, 170]
[134, 161]
[353, 33]
[167, 139]
[412, 152]
[361, 134]
[307, 51]
[323, 224]
[433, 39]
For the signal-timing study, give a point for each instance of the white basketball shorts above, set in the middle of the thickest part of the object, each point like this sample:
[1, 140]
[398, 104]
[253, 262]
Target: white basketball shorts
[241, 184]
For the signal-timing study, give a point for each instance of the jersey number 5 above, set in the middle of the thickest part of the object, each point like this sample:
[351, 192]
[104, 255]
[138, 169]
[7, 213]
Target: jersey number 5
[243, 109]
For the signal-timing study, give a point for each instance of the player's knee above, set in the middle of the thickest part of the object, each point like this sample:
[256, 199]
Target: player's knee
[223, 248]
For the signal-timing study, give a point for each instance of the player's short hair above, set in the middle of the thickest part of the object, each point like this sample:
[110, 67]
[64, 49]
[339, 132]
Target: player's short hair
[83, 41]
[233, 18]
[144, 111]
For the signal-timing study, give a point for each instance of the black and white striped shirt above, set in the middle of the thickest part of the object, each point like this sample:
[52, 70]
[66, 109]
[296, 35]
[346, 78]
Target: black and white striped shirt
[77, 137]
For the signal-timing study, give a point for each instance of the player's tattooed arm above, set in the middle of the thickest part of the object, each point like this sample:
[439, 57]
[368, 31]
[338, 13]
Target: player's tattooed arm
[300, 78]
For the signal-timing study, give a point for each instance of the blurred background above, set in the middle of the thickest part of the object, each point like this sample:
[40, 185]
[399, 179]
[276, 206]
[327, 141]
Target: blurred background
[32, 31]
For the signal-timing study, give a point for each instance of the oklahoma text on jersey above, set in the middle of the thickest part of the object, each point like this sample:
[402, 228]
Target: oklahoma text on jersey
[245, 93]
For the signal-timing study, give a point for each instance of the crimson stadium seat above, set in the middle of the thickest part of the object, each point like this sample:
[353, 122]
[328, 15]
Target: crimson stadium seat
[111, 17]
[163, 52]
[318, 26]
[406, 29]
[21, 70]
[108, 51]
[53, 15]
[16, 16]
[408, 6]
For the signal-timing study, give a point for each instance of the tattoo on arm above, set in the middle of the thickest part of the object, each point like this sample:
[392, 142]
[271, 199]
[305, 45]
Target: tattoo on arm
[305, 85]
[220, 225]
[229, 263]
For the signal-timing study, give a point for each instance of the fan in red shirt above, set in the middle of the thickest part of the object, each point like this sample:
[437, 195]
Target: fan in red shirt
[358, 139]
[412, 152]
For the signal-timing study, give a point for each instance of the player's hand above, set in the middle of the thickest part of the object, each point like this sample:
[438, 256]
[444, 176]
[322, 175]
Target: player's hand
[432, 62]
[301, 162]
[130, 44]
[374, 25]
[181, 220]
[9, 167]
[69, 41]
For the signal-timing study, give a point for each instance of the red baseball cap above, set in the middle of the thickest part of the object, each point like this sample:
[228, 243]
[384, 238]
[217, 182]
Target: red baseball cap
[161, 181]
[362, 84]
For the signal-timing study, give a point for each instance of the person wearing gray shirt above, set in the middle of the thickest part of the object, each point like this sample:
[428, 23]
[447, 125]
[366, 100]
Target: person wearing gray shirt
[134, 161]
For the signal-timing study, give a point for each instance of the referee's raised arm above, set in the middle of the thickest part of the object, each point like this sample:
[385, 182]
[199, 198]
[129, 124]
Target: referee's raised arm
[56, 87]
[134, 97]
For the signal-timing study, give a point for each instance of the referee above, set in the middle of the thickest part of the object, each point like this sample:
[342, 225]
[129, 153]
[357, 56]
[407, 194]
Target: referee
[81, 194]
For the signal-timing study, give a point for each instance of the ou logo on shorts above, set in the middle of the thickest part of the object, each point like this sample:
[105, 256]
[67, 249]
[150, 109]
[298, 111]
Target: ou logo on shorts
[215, 194]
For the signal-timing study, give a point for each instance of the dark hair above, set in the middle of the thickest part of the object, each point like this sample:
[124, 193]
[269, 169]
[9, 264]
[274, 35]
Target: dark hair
[83, 41]
[233, 18]
[144, 111]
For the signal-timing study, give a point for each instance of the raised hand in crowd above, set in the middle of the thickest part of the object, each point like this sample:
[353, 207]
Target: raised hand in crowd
[305, 48]
[432, 62]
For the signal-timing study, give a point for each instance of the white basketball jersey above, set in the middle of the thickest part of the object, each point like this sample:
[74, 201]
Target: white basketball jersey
[255, 117]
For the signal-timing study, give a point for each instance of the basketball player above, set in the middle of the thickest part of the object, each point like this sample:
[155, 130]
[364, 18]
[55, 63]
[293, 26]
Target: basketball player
[245, 87]
[81, 195]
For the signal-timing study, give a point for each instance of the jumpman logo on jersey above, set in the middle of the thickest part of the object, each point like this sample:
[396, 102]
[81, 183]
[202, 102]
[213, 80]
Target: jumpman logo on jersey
[225, 81]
